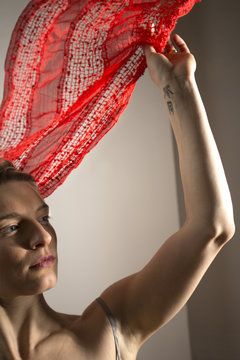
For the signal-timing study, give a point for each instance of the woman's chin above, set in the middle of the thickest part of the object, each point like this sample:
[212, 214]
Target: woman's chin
[41, 279]
[48, 283]
[41, 284]
[31, 288]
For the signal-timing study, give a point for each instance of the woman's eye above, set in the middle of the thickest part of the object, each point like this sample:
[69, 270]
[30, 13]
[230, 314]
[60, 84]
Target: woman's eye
[45, 218]
[11, 229]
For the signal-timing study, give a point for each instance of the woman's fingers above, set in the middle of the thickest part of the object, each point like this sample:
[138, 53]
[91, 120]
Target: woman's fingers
[169, 48]
[148, 49]
[180, 43]
[149, 52]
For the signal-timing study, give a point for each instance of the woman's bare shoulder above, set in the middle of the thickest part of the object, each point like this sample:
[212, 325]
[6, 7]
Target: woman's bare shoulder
[80, 334]
[92, 321]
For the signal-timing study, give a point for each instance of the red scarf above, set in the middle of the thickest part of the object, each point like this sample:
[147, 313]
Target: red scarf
[70, 70]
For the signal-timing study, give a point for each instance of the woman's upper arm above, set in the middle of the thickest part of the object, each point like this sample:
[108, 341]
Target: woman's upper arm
[147, 300]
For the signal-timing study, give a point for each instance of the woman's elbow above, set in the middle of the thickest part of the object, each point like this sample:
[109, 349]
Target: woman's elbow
[223, 233]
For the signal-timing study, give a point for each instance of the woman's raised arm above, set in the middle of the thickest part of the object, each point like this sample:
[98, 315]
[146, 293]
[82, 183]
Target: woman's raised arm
[207, 197]
[148, 299]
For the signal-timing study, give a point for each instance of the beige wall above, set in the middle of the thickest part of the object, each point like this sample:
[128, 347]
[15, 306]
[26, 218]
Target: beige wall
[212, 30]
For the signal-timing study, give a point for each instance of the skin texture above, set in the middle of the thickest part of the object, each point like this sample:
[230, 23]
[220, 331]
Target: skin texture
[142, 302]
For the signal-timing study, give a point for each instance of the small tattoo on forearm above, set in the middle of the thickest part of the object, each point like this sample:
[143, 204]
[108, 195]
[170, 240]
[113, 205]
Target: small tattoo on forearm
[170, 107]
[167, 91]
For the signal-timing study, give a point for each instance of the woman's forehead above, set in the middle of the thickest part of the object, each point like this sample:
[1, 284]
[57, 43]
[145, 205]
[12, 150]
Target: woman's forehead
[19, 196]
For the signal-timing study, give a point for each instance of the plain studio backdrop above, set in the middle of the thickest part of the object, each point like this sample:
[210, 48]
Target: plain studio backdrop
[125, 199]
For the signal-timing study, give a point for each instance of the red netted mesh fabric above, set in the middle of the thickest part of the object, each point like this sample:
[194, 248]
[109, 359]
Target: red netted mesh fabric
[70, 70]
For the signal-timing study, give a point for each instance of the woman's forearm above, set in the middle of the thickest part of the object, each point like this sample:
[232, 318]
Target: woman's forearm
[207, 197]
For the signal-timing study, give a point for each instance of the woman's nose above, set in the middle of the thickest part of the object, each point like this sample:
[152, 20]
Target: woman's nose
[39, 237]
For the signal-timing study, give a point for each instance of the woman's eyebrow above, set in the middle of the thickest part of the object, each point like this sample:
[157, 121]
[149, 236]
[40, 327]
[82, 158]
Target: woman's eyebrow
[9, 216]
[43, 206]
[15, 215]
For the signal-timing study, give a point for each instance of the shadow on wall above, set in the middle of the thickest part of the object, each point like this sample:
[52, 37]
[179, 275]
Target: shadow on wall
[213, 310]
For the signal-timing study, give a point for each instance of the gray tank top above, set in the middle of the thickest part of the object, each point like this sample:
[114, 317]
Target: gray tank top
[113, 324]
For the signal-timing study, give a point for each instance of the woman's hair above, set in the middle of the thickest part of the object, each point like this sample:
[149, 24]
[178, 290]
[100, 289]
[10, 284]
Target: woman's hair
[8, 172]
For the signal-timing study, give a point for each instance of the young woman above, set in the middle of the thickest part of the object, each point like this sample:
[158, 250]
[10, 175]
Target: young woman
[128, 312]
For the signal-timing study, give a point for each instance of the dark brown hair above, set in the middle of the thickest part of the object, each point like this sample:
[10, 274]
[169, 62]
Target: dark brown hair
[8, 172]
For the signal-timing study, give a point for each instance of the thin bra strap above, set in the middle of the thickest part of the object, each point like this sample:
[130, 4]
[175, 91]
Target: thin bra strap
[113, 324]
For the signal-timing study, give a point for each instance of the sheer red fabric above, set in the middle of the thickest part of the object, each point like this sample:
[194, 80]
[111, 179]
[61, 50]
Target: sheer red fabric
[70, 70]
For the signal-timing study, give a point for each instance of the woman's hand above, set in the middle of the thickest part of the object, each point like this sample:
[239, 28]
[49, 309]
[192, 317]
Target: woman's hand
[171, 64]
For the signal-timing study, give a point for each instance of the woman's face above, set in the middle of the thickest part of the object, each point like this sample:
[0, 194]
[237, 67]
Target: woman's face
[25, 236]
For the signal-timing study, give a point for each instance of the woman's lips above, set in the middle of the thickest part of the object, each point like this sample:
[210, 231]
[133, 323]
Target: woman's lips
[45, 261]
